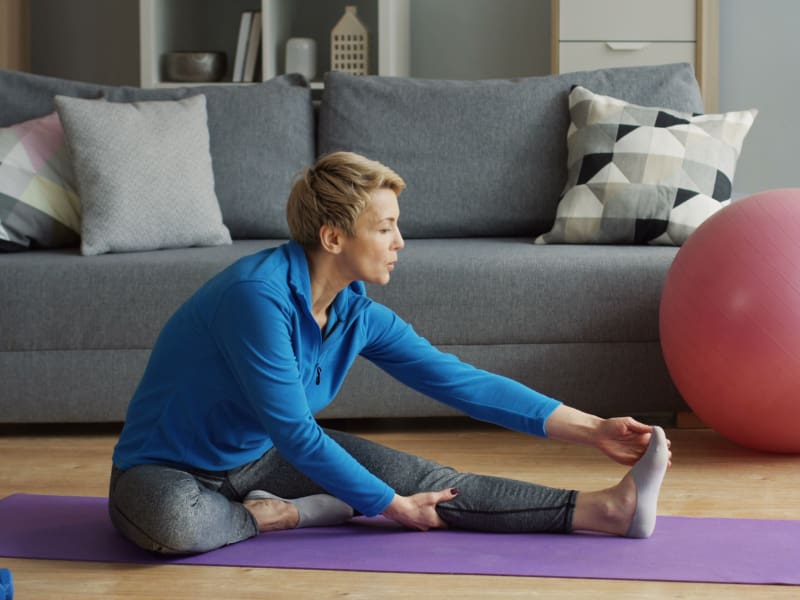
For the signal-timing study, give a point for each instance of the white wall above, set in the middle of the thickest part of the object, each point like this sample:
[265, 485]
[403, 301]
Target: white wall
[759, 56]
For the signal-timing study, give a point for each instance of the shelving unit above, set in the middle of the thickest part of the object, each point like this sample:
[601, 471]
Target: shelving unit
[175, 25]
[450, 39]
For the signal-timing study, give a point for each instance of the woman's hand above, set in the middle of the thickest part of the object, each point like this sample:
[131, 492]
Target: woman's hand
[622, 439]
[419, 511]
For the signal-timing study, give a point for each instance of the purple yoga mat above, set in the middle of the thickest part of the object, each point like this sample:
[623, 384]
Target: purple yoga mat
[681, 549]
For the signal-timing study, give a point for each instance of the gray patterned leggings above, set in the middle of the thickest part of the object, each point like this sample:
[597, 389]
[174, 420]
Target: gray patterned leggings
[174, 511]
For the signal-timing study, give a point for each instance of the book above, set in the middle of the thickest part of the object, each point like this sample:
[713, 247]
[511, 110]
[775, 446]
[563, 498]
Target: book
[253, 48]
[245, 24]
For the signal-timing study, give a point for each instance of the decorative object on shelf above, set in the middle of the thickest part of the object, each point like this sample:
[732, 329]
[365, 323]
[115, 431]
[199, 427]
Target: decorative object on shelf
[301, 57]
[194, 67]
[350, 44]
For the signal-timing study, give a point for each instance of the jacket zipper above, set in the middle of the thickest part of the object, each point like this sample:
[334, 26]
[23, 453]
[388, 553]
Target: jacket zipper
[327, 335]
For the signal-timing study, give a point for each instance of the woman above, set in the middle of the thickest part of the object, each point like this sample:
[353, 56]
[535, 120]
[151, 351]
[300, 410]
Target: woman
[220, 442]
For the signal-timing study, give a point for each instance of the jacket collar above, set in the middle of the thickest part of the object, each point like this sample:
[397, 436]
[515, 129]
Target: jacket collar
[300, 282]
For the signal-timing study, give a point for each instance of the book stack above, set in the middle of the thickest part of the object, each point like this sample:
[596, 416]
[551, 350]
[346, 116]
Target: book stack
[248, 48]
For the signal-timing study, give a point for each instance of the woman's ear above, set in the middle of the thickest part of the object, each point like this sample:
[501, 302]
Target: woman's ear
[330, 239]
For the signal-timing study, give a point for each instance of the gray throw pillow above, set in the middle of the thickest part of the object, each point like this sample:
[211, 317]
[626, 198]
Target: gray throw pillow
[481, 158]
[144, 174]
[261, 136]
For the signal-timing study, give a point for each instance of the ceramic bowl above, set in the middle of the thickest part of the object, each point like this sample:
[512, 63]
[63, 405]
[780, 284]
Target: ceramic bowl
[194, 67]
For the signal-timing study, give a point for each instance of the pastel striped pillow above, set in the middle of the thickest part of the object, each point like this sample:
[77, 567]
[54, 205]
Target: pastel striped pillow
[39, 207]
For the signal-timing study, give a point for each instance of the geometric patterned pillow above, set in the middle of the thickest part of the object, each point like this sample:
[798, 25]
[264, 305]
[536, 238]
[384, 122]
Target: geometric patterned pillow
[39, 206]
[640, 175]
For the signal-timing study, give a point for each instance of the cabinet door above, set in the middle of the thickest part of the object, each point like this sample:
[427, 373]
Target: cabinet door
[585, 56]
[610, 20]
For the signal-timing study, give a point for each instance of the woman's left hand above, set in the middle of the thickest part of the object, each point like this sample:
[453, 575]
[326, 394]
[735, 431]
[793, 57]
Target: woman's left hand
[623, 439]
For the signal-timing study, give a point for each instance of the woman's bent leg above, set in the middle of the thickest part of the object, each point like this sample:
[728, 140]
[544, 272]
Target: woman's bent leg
[170, 511]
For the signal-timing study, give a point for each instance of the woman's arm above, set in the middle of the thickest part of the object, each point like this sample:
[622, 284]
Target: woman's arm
[623, 439]
[394, 346]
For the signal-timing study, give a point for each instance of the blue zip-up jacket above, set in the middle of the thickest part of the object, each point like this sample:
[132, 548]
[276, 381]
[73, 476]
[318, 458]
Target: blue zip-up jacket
[242, 366]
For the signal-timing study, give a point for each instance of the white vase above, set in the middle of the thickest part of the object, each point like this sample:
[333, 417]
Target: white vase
[301, 57]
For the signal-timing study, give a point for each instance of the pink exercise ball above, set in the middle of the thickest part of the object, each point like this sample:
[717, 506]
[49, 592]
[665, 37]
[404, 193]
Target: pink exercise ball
[729, 321]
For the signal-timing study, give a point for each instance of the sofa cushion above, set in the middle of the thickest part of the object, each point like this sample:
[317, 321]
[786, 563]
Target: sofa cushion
[510, 291]
[60, 300]
[261, 136]
[38, 203]
[144, 174]
[453, 291]
[481, 158]
[641, 174]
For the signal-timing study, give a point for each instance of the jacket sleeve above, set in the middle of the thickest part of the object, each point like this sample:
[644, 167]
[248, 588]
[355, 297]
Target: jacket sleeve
[252, 328]
[395, 347]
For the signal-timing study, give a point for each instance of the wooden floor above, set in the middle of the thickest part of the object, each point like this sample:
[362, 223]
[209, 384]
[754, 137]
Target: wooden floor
[709, 477]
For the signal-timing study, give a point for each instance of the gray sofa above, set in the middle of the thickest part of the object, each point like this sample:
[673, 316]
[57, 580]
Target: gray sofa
[484, 161]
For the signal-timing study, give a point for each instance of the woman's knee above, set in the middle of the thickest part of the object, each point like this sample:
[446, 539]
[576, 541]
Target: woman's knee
[148, 536]
[167, 511]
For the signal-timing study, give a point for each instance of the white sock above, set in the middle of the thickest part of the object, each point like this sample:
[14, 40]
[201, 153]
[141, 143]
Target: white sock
[648, 474]
[319, 510]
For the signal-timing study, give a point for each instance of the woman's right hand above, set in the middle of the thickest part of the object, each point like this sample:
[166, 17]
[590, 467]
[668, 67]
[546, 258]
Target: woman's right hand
[419, 511]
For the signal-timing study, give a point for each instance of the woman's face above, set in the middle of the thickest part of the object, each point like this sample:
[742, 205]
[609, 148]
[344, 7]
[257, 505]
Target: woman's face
[370, 255]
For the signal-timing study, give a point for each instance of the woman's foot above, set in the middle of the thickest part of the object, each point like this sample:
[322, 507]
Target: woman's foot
[318, 510]
[628, 508]
[648, 474]
[271, 513]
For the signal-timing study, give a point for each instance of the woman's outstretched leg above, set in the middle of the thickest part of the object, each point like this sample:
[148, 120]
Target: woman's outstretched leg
[484, 502]
[488, 503]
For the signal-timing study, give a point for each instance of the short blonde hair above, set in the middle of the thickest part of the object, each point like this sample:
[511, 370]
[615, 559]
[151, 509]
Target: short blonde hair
[334, 192]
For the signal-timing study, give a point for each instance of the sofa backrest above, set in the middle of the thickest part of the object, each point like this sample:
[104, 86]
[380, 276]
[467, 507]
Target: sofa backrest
[480, 158]
[261, 136]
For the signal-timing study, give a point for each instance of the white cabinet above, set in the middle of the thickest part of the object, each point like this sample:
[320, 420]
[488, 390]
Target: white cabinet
[213, 25]
[584, 56]
[626, 20]
[593, 34]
